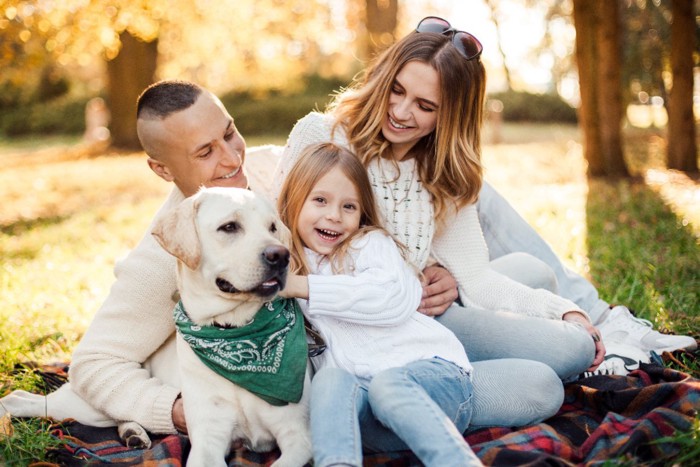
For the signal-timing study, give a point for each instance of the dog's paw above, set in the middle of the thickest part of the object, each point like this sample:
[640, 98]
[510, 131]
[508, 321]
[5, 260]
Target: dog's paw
[134, 436]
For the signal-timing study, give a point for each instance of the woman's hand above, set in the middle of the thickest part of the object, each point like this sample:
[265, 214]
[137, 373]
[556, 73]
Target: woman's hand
[439, 291]
[576, 317]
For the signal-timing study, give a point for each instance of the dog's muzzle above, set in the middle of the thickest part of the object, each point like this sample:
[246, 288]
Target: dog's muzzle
[276, 259]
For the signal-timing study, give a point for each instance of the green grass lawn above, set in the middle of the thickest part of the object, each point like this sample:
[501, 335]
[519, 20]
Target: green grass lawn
[67, 216]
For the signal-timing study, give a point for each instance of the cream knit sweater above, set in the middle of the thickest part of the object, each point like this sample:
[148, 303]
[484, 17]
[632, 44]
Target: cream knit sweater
[135, 320]
[408, 213]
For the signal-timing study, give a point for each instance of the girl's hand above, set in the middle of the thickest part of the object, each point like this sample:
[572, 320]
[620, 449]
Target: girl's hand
[297, 287]
[439, 291]
[576, 317]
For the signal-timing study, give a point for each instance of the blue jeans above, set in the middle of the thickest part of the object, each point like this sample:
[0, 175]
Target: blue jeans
[520, 361]
[424, 406]
[505, 231]
[565, 347]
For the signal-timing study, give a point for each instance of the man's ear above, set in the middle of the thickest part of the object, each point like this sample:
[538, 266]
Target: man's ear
[160, 169]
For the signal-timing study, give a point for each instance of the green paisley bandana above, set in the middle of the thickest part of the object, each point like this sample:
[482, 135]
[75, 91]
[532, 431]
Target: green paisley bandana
[267, 357]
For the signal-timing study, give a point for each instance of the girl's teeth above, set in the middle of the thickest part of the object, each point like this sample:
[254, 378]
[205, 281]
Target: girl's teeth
[328, 234]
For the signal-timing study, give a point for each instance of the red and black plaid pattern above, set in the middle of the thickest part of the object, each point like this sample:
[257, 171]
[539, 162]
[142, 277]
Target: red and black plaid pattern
[603, 417]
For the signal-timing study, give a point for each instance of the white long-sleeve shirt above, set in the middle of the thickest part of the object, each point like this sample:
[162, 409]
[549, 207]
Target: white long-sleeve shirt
[408, 214]
[367, 314]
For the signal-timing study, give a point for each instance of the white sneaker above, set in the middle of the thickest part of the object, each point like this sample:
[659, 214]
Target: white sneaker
[620, 359]
[620, 326]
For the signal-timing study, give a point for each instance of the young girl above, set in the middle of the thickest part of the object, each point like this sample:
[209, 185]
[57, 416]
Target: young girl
[414, 120]
[388, 371]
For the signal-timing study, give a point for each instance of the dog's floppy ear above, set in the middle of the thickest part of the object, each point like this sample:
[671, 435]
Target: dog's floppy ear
[176, 231]
[283, 233]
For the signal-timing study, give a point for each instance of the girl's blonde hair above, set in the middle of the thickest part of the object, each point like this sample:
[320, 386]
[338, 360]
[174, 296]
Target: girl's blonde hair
[449, 158]
[315, 162]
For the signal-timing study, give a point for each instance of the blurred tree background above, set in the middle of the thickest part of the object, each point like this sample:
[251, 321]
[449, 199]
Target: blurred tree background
[274, 60]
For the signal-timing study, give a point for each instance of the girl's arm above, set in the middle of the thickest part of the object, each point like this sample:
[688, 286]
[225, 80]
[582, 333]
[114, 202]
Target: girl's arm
[461, 248]
[381, 291]
[297, 287]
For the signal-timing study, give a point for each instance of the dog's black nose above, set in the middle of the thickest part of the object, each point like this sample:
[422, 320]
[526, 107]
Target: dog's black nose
[277, 256]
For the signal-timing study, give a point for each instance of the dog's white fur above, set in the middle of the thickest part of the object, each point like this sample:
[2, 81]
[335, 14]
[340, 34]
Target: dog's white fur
[64, 403]
[223, 234]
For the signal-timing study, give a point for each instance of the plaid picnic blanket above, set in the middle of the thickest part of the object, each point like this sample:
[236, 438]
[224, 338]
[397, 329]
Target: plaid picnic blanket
[602, 417]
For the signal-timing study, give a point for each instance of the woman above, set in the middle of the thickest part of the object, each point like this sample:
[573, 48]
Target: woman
[414, 120]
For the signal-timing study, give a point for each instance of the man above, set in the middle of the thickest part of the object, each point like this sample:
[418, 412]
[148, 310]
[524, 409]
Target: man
[192, 141]
[123, 366]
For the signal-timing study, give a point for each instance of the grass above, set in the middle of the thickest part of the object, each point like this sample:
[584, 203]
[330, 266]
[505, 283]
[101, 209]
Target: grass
[70, 212]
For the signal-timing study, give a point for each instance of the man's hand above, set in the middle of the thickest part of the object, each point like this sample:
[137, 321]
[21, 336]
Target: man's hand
[179, 416]
[576, 317]
[439, 291]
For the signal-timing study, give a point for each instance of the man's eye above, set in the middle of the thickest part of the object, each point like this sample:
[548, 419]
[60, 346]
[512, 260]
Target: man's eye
[228, 136]
[230, 227]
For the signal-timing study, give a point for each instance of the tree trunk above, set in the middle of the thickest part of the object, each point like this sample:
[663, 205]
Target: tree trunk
[598, 61]
[682, 146]
[381, 17]
[584, 22]
[609, 84]
[127, 75]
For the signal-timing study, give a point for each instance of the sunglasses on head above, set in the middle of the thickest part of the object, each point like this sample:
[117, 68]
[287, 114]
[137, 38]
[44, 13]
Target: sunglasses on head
[465, 43]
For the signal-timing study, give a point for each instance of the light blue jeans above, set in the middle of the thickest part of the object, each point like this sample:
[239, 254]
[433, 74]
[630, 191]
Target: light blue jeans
[520, 362]
[423, 406]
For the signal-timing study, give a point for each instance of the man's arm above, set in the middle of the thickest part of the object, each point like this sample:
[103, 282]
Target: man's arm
[134, 322]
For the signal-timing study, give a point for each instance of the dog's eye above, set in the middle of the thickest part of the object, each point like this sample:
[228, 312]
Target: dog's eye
[273, 227]
[230, 227]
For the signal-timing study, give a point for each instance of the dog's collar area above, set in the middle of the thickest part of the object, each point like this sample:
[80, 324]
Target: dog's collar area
[266, 357]
[318, 345]
[229, 326]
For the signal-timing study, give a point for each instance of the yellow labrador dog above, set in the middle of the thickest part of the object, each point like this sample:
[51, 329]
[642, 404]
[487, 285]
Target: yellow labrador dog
[242, 352]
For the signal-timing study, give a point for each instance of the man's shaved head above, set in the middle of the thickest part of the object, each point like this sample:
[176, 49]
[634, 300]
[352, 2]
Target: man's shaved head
[163, 98]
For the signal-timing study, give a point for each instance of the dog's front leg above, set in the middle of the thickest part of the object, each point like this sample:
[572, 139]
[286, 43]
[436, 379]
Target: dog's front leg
[211, 434]
[209, 411]
[294, 442]
[292, 431]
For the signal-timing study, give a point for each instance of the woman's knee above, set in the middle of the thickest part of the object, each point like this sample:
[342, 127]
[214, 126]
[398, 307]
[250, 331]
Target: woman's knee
[514, 392]
[528, 270]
